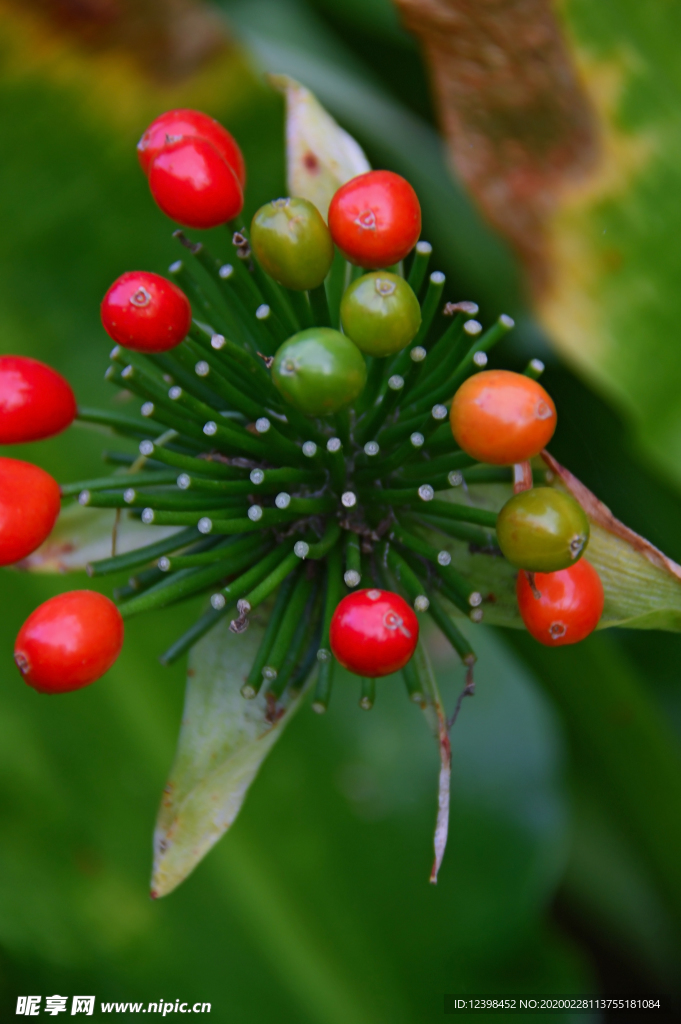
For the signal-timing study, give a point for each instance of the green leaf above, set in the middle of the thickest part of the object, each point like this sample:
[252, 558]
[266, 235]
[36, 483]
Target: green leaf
[320, 155]
[224, 739]
[83, 535]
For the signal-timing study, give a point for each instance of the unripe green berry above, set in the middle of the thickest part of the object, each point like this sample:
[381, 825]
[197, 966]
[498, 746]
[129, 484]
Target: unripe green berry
[381, 314]
[319, 371]
[542, 530]
[292, 243]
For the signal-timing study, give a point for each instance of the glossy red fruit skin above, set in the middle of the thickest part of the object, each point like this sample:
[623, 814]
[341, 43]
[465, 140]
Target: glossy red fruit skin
[35, 401]
[570, 605]
[373, 632]
[176, 124]
[375, 219]
[29, 506]
[194, 186]
[145, 312]
[69, 641]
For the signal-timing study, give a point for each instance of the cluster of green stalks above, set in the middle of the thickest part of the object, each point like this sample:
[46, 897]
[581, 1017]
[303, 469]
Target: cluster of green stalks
[273, 506]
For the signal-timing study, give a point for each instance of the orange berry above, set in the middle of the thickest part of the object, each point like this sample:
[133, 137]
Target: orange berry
[502, 417]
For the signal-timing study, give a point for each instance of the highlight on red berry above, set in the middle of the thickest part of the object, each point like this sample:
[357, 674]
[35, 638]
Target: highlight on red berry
[375, 219]
[146, 312]
[194, 185]
[502, 417]
[561, 607]
[35, 401]
[29, 506]
[69, 641]
[373, 632]
[177, 124]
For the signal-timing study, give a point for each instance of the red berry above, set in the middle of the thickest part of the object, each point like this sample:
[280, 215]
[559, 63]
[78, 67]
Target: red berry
[146, 312]
[69, 641]
[502, 417]
[29, 506]
[35, 401]
[569, 605]
[194, 186]
[375, 219]
[175, 124]
[373, 632]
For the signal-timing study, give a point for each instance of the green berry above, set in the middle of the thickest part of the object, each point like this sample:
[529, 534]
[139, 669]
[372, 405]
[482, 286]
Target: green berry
[380, 313]
[292, 243]
[319, 371]
[542, 530]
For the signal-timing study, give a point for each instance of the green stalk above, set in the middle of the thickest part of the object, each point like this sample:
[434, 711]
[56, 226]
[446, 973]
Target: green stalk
[375, 377]
[409, 449]
[337, 281]
[447, 572]
[224, 323]
[188, 582]
[446, 355]
[534, 369]
[404, 575]
[301, 308]
[290, 635]
[460, 531]
[335, 460]
[229, 594]
[140, 556]
[371, 422]
[467, 366]
[352, 558]
[160, 501]
[419, 265]
[263, 590]
[278, 301]
[118, 480]
[367, 697]
[201, 466]
[319, 304]
[254, 678]
[128, 426]
[440, 464]
[233, 358]
[328, 541]
[327, 662]
[409, 498]
[453, 634]
[474, 475]
[413, 683]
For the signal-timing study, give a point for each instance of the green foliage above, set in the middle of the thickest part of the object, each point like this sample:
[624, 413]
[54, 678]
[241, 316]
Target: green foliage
[316, 905]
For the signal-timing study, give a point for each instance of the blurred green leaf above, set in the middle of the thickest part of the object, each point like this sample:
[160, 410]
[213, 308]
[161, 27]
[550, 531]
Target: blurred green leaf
[223, 741]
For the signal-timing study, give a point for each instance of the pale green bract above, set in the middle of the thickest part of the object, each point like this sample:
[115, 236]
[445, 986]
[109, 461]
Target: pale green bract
[223, 740]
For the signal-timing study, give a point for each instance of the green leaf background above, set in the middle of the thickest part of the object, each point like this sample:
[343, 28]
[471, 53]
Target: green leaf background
[563, 862]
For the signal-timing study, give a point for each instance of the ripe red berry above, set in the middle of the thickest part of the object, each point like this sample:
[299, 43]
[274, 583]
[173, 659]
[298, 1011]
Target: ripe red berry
[69, 641]
[146, 312]
[29, 506]
[193, 185]
[569, 605]
[502, 417]
[375, 219]
[176, 124]
[35, 401]
[373, 632]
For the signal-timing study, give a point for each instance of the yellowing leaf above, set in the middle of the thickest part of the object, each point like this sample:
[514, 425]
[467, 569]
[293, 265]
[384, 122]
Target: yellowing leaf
[83, 535]
[320, 155]
[223, 741]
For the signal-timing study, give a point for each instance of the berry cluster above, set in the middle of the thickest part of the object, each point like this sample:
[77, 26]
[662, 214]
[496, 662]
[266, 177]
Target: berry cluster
[300, 411]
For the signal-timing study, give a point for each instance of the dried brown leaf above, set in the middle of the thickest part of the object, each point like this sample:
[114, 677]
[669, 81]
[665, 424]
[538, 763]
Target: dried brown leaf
[517, 122]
